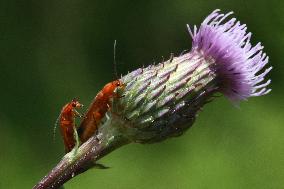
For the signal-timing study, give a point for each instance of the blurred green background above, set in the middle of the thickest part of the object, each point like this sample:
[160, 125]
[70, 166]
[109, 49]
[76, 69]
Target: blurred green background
[52, 51]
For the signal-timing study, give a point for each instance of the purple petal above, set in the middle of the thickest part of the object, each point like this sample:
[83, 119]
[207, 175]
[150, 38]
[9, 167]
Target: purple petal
[239, 65]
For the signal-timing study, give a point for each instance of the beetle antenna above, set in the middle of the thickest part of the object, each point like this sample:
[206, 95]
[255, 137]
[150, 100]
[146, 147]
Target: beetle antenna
[114, 61]
[55, 126]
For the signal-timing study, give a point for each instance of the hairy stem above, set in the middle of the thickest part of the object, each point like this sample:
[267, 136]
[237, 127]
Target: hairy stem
[74, 164]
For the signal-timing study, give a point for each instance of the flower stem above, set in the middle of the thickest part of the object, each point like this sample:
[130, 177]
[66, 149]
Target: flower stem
[72, 165]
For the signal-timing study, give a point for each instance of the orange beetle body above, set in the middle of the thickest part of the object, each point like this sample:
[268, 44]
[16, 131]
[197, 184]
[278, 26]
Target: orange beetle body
[97, 110]
[67, 124]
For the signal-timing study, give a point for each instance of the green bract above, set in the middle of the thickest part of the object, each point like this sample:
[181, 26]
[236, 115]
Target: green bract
[162, 100]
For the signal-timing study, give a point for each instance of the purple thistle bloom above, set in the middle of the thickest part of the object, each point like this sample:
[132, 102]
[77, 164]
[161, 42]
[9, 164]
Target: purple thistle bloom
[238, 63]
[163, 100]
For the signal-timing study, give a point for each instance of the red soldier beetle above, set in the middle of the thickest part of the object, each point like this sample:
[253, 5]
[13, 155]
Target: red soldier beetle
[67, 124]
[101, 104]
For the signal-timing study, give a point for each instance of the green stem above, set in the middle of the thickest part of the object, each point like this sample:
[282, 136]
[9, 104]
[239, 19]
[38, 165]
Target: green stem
[72, 165]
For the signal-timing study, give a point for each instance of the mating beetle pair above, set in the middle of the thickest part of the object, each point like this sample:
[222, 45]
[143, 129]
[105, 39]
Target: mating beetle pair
[88, 127]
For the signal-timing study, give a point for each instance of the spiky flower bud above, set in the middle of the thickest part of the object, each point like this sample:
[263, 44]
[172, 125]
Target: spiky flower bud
[163, 100]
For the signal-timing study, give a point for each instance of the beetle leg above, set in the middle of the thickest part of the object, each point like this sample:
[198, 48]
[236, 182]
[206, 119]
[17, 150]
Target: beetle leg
[77, 141]
[78, 114]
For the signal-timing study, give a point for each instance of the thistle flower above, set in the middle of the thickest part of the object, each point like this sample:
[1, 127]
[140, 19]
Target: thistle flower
[162, 101]
[237, 62]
